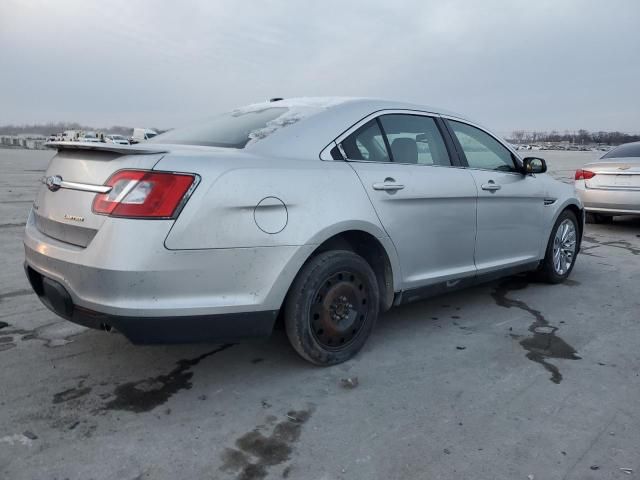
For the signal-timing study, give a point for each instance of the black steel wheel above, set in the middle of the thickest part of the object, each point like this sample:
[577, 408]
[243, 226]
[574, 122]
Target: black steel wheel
[332, 307]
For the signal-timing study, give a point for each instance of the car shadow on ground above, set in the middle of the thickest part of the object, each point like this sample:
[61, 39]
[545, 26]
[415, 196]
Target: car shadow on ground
[629, 224]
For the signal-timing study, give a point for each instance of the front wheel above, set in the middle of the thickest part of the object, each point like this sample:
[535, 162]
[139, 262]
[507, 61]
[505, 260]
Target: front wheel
[562, 249]
[332, 307]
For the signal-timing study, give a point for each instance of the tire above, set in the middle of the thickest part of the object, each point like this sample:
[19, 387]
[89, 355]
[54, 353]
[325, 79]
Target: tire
[332, 307]
[549, 271]
[598, 218]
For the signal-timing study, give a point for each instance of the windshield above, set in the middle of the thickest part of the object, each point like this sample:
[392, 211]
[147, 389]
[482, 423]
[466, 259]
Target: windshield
[229, 130]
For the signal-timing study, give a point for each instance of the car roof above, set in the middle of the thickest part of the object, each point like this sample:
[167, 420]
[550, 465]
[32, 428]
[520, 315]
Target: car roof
[325, 118]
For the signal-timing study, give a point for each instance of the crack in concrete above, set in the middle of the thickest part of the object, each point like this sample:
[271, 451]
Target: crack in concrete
[16, 293]
[12, 225]
[615, 243]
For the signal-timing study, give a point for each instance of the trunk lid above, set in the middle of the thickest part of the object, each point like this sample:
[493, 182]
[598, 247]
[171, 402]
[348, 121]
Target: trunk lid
[614, 174]
[65, 213]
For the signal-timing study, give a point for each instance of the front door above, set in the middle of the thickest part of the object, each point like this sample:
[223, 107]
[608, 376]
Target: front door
[510, 204]
[426, 205]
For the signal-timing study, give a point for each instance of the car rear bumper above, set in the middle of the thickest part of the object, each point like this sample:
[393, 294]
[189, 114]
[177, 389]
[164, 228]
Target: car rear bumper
[615, 202]
[219, 328]
[152, 294]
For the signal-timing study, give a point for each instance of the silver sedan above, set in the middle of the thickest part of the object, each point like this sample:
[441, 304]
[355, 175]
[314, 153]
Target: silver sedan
[321, 212]
[611, 186]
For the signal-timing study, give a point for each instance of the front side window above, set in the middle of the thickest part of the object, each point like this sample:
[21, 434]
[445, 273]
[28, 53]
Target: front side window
[366, 143]
[414, 139]
[481, 149]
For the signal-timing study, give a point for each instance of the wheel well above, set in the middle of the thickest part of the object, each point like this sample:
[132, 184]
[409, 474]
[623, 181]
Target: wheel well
[578, 213]
[369, 248]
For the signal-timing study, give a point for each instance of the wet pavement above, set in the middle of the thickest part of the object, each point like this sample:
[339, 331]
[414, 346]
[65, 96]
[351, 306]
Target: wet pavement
[504, 381]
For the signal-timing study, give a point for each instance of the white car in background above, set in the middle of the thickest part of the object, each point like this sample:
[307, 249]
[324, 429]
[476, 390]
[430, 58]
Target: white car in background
[70, 135]
[142, 134]
[117, 139]
[89, 137]
[610, 186]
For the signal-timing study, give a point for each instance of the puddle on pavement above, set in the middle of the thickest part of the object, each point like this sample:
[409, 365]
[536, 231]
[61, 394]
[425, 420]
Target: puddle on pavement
[543, 343]
[145, 395]
[256, 452]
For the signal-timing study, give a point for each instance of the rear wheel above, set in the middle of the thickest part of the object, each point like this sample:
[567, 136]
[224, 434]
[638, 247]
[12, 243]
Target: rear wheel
[332, 307]
[598, 218]
[562, 249]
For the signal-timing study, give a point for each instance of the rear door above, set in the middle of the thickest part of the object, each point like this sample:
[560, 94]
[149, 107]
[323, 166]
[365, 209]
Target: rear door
[510, 205]
[426, 204]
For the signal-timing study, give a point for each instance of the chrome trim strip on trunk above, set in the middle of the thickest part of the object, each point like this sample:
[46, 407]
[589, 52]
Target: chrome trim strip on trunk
[83, 187]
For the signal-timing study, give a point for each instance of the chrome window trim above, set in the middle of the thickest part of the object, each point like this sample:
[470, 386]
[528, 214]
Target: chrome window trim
[379, 113]
[325, 154]
[492, 135]
[403, 111]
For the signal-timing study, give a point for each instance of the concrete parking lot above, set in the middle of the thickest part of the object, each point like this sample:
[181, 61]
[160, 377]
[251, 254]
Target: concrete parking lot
[510, 380]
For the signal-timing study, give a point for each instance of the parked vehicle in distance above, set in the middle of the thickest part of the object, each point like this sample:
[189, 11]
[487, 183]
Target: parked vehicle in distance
[70, 135]
[142, 134]
[90, 137]
[611, 185]
[118, 139]
[326, 211]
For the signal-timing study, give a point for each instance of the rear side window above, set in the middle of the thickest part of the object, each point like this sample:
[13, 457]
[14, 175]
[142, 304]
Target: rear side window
[624, 151]
[414, 139]
[481, 149]
[366, 143]
[229, 130]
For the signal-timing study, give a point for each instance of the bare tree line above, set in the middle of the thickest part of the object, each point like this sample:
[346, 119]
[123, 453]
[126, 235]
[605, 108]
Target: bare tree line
[581, 137]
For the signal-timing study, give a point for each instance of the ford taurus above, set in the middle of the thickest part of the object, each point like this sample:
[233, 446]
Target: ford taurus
[326, 211]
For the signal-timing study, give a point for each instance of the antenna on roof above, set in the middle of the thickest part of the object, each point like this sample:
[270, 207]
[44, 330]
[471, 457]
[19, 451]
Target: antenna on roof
[276, 99]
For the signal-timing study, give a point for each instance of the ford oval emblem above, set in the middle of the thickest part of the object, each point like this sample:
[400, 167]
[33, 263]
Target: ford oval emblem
[53, 182]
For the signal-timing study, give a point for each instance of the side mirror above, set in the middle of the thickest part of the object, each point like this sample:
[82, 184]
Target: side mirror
[533, 165]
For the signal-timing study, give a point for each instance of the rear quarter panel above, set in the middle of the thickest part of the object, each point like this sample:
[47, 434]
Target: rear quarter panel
[318, 196]
[322, 199]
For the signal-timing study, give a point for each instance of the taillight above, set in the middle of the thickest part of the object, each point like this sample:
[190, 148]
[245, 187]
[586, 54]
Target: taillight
[143, 194]
[584, 174]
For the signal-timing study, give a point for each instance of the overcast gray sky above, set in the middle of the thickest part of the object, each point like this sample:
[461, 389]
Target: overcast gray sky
[539, 64]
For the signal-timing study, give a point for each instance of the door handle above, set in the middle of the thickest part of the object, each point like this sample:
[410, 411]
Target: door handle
[388, 187]
[491, 186]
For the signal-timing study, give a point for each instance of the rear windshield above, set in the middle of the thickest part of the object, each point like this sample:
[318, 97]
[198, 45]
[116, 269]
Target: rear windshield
[229, 130]
[623, 151]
